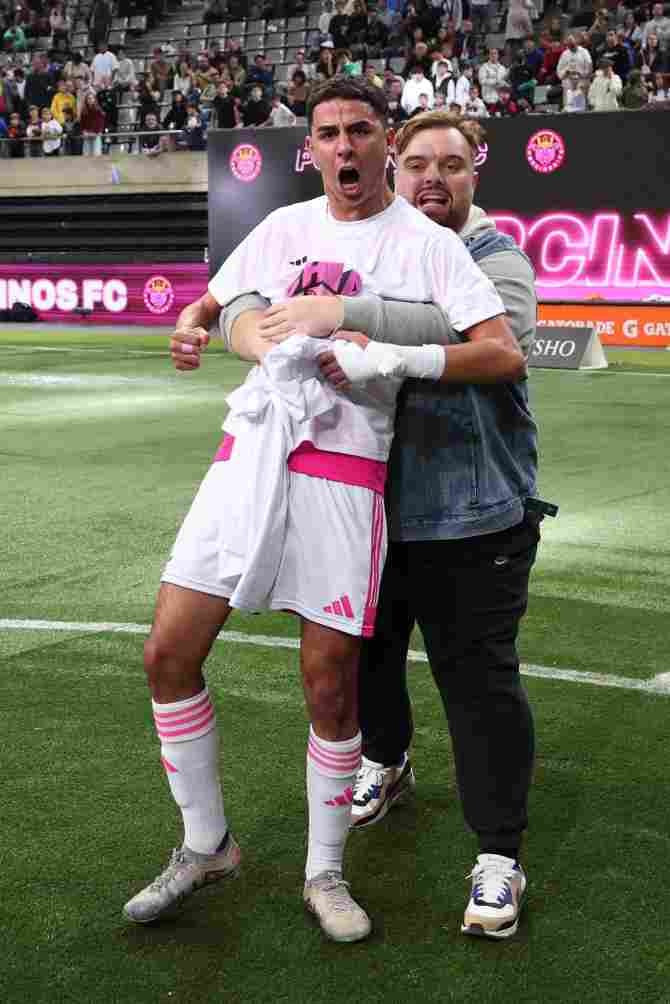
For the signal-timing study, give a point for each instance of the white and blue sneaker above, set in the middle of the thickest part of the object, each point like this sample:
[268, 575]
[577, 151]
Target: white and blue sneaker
[377, 788]
[498, 890]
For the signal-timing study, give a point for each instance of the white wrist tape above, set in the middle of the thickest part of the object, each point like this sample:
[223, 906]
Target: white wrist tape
[426, 362]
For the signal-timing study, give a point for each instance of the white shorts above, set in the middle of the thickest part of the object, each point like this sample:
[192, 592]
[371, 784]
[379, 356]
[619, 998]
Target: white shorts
[332, 547]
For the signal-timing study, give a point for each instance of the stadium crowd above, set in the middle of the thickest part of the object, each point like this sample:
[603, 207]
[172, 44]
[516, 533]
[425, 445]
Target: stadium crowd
[425, 54]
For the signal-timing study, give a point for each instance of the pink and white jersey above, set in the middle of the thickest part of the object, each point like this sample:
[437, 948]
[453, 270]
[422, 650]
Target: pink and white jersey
[398, 254]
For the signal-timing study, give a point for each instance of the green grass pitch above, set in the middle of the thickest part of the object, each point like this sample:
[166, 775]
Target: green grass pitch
[103, 446]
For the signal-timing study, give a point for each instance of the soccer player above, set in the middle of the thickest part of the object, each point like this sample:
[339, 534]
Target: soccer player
[290, 515]
[463, 528]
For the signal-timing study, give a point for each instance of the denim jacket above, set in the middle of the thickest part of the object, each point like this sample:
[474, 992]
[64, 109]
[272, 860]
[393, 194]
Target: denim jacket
[464, 456]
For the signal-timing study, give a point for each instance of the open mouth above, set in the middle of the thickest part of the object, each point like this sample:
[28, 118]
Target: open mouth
[434, 197]
[349, 178]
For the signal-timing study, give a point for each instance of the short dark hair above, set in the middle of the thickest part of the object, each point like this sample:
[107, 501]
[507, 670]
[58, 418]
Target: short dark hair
[347, 89]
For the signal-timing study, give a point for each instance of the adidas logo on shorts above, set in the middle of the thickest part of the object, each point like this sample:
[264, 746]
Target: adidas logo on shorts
[341, 607]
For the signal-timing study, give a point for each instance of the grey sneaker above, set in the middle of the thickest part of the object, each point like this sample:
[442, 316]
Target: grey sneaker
[186, 872]
[498, 892]
[327, 896]
[377, 788]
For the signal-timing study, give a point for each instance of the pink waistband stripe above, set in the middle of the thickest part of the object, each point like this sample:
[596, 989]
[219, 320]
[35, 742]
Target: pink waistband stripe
[341, 467]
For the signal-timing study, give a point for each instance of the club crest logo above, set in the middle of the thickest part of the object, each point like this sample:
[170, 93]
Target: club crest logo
[246, 162]
[158, 294]
[545, 151]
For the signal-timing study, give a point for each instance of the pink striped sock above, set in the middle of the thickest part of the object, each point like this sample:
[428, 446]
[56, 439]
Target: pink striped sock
[331, 771]
[190, 755]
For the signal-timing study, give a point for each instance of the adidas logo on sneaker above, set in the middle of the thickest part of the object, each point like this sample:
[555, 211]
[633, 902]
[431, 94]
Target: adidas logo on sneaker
[341, 607]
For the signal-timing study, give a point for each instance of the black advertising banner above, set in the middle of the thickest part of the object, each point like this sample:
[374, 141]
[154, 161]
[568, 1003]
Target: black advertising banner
[586, 196]
[567, 349]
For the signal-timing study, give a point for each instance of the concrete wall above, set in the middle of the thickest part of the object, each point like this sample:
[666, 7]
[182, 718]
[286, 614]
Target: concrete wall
[170, 172]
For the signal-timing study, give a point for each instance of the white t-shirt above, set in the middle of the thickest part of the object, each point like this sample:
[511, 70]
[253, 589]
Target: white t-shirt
[398, 254]
[282, 116]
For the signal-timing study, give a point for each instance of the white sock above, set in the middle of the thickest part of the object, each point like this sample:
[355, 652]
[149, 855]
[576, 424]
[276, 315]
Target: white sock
[331, 771]
[190, 754]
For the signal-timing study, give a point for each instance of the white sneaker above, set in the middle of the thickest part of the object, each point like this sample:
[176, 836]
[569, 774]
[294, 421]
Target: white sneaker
[186, 872]
[377, 788]
[327, 896]
[498, 890]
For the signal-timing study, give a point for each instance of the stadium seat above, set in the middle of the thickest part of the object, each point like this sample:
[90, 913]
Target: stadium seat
[80, 41]
[276, 24]
[117, 38]
[237, 28]
[197, 31]
[138, 23]
[297, 38]
[296, 24]
[119, 23]
[218, 30]
[313, 21]
[277, 39]
[276, 56]
[140, 65]
[256, 43]
[236, 38]
[281, 73]
[127, 117]
[256, 27]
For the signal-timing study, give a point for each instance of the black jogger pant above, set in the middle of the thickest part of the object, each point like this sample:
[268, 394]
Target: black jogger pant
[468, 597]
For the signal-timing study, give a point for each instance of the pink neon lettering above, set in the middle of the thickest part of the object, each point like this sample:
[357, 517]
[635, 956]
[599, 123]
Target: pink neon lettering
[604, 253]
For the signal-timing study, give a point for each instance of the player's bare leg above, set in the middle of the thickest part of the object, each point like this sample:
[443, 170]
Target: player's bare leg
[329, 663]
[185, 626]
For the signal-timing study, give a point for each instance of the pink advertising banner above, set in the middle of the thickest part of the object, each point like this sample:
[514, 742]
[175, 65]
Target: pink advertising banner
[104, 294]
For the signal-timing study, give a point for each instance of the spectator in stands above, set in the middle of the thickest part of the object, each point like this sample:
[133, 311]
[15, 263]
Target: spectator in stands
[150, 140]
[632, 31]
[480, 16]
[308, 69]
[100, 22]
[659, 91]
[574, 99]
[298, 93]
[77, 69]
[92, 124]
[376, 36]
[161, 69]
[280, 114]
[417, 54]
[417, 84]
[34, 132]
[52, 132]
[261, 74]
[124, 78]
[533, 56]
[617, 52]
[14, 38]
[463, 86]
[634, 95]
[39, 88]
[6, 97]
[214, 12]
[338, 29]
[225, 114]
[195, 129]
[238, 74]
[465, 46]
[326, 17]
[555, 29]
[574, 64]
[72, 141]
[183, 79]
[61, 100]
[598, 31]
[325, 64]
[549, 70]
[177, 114]
[475, 108]
[605, 88]
[395, 113]
[16, 134]
[650, 59]
[148, 103]
[519, 23]
[506, 106]
[358, 25]
[16, 89]
[107, 102]
[491, 75]
[104, 65]
[422, 105]
[444, 76]
[256, 109]
[59, 24]
[658, 25]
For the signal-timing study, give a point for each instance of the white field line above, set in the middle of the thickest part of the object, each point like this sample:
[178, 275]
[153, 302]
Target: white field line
[658, 685]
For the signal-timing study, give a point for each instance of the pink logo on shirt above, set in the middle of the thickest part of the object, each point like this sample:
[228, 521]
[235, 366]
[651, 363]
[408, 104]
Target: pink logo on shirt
[326, 278]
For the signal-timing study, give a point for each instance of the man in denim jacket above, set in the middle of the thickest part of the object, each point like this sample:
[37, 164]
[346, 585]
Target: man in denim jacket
[462, 541]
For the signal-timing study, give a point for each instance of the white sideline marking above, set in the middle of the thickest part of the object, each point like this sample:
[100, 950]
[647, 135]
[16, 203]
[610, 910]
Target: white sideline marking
[658, 685]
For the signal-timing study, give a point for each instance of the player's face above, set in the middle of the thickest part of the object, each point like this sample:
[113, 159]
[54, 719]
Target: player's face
[349, 146]
[436, 174]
